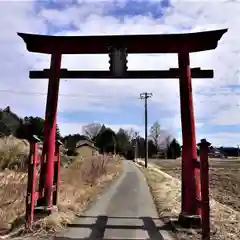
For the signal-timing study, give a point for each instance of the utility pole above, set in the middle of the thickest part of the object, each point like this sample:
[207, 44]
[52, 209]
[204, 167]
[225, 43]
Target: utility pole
[145, 96]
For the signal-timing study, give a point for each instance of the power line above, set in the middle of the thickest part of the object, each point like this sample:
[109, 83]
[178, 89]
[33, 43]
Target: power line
[145, 96]
[45, 94]
[21, 92]
[77, 95]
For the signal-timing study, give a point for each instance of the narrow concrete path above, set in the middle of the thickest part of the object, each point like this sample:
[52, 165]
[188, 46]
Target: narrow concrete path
[125, 211]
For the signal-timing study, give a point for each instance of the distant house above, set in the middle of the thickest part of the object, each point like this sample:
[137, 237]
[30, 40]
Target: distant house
[215, 153]
[86, 148]
[70, 141]
[162, 151]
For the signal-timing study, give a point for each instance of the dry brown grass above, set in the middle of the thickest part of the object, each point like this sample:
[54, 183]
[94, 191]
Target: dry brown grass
[80, 185]
[83, 178]
[13, 153]
[80, 182]
[12, 200]
[225, 221]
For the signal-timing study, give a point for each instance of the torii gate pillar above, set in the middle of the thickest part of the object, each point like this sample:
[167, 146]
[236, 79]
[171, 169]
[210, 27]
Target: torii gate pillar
[190, 174]
[48, 154]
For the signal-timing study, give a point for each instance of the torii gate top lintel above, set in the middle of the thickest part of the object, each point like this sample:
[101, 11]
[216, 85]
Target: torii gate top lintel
[99, 44]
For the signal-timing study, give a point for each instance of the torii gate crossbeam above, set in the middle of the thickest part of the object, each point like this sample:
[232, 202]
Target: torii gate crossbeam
[134, 74]
[182, 44]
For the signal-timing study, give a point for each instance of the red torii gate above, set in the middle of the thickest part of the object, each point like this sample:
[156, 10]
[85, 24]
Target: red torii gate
[182, 44]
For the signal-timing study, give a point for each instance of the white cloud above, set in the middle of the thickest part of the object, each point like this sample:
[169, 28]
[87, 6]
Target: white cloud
[215, 109]
[230, 139]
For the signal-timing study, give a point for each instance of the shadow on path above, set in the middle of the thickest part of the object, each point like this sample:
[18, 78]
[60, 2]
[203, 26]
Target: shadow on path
[99, 226]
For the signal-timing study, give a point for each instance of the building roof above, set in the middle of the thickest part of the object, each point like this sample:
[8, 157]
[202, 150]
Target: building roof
[149, 43]
[85, 139]
[87, 144]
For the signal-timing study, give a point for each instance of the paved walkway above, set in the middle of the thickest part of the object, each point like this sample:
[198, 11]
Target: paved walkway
[125, 211]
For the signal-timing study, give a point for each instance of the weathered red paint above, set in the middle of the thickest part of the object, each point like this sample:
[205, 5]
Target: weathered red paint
[32, 194]
[56, 179]
[205, 207]
[190, 174]
[42, 177]
[50, 127]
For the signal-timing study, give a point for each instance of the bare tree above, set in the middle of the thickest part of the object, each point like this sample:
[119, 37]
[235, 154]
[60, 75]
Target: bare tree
[155, 132]
[131, 133]
[91, 130]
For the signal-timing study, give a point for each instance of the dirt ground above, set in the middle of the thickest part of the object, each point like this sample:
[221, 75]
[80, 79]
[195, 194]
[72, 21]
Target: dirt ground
[224, 179]
[166, 192]
[224, 194]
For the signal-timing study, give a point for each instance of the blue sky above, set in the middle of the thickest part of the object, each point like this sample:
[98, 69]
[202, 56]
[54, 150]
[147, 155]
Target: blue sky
[115, 102]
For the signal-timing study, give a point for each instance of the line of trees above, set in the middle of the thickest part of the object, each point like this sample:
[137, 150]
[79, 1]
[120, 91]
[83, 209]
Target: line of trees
[166, 147]
[33, 126]
[124, 141]
[22, 128]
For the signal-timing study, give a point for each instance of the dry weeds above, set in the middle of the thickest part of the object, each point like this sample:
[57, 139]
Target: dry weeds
[80, 182]
[13, 153]
[12, 200]
[225, 221]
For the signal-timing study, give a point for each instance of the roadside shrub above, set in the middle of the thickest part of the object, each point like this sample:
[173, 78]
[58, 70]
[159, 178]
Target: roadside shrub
[94, 167]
